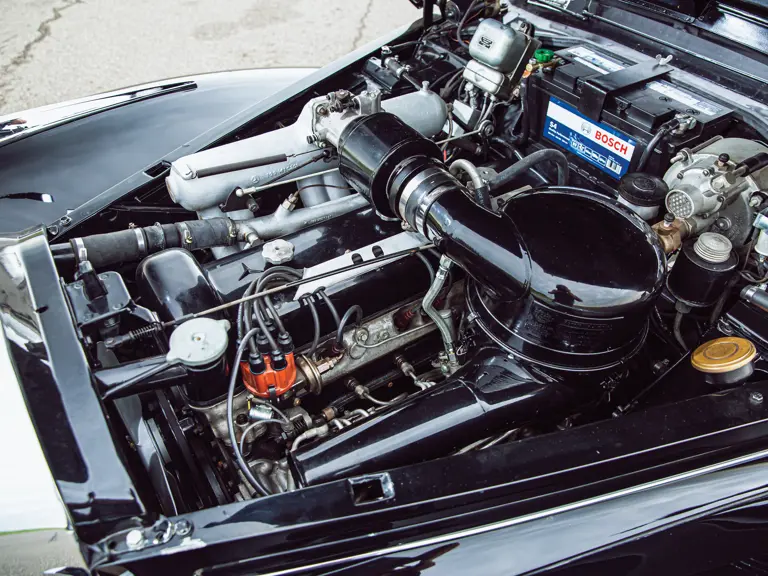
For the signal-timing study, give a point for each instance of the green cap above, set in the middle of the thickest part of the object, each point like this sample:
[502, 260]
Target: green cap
[542, 55]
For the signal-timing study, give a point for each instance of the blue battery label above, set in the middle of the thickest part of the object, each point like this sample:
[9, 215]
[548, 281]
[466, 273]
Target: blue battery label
[601, 146]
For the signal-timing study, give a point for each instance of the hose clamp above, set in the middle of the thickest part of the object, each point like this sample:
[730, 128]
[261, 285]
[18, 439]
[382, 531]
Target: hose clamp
[161, 233]
[411, 186]
[232, 231]
[81, 254]
[141, 241]
[186, 235]
[426, 203]
[439, 179]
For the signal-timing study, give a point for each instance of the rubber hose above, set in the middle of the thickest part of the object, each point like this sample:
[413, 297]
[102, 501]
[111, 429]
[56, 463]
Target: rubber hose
[483, 196]
[482, 193]
[428, 266]
[125, 245]
[676, 329]
[512, 153]
[547, 155]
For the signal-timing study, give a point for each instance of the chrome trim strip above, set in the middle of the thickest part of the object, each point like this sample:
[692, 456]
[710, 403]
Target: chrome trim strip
[94, 105]
[530, 517]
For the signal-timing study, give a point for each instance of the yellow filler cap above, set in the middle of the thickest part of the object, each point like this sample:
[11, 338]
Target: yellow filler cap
[723, 355]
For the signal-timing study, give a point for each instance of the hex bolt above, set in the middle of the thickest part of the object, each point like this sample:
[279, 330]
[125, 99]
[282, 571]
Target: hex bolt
[756, 398]
[723, 223]
[183, 527]
[134, 539]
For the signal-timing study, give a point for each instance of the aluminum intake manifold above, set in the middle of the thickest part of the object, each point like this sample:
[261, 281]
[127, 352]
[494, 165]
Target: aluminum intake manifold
[203, 180]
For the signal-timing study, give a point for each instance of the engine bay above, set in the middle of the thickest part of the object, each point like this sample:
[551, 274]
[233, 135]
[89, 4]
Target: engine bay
[481, 235]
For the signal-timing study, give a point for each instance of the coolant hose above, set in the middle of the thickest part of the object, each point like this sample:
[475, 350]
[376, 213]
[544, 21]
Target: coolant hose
[547, 155]
[132, 245]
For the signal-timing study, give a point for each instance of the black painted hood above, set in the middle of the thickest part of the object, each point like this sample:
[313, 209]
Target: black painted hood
[75, 161]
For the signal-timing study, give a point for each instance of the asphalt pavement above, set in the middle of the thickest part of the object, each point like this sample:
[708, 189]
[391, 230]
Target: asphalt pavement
[55, 50]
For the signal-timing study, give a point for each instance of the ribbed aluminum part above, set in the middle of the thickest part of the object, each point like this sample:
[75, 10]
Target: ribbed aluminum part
[713, 247]
[680, 204]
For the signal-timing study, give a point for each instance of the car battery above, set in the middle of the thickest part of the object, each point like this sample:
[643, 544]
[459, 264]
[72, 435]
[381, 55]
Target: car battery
[603, 112]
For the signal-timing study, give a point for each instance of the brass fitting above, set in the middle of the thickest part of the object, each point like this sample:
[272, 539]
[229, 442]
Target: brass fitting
[671, 232]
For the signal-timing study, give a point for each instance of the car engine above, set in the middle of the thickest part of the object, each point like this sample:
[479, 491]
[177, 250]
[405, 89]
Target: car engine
[475, 236]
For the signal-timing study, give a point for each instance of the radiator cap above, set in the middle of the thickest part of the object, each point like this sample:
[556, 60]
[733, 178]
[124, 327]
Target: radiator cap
[198, 342]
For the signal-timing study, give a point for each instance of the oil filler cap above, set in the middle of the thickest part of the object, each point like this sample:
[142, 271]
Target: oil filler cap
[278, 251]
[713, 247]
[198, 342]
[725, 361]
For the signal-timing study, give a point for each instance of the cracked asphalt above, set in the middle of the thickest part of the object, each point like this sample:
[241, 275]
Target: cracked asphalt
[54, 50]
